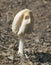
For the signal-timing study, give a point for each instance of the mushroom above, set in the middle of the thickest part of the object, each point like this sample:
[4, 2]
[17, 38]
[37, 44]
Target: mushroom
[22, 24]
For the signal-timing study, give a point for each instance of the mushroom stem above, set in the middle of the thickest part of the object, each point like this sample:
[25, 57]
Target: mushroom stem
[21, 46]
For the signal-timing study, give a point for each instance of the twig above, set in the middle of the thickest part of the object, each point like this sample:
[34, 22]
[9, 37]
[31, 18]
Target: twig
[3, 47]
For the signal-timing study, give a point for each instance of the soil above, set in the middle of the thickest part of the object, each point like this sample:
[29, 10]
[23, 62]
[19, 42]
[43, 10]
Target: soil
[37, 47]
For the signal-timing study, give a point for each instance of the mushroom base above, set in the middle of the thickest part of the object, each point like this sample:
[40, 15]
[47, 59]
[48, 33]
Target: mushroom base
[21, 45]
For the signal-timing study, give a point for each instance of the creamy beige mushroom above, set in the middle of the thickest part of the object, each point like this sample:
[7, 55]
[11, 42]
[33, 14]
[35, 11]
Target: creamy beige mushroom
[22, 24]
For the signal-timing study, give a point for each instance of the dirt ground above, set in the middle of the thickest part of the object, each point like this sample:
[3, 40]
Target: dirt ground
[37, 47]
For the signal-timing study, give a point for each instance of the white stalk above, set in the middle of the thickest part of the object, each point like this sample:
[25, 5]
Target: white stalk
[21, 45]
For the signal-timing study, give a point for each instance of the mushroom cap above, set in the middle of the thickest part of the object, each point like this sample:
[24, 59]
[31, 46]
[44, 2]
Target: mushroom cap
[23, 22]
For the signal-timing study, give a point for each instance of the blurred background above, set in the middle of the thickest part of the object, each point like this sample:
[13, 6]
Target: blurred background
[38, 43]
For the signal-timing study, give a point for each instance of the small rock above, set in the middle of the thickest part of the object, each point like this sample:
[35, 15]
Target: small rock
[30, 63]
[10, 57]
[37, 39]
[47, 44]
